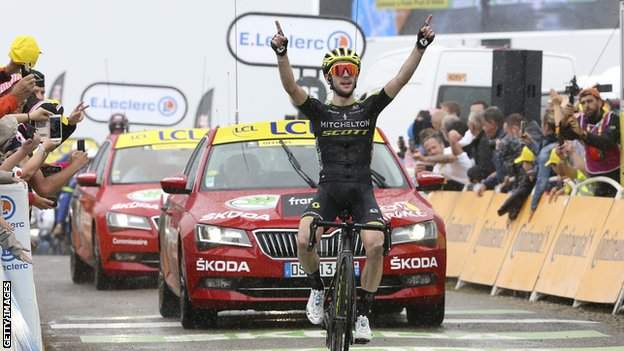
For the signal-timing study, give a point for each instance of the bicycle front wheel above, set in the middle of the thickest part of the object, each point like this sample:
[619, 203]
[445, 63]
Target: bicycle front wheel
[343, 298]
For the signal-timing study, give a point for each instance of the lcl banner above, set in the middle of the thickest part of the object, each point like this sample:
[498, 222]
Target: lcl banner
[21, 327]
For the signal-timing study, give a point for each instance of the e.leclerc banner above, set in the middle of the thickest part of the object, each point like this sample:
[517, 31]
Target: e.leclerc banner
[21, 328]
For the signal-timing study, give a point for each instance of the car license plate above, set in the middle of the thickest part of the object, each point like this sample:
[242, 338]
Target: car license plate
[328, 269]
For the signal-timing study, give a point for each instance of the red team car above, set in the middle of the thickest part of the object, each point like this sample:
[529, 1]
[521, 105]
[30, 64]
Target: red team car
[116, 205]
[228, 228]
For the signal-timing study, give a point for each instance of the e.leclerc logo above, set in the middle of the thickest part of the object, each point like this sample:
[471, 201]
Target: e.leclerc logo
[8, 207]
[167, 106]
[8, 263]
[337, 39]
[7, 256]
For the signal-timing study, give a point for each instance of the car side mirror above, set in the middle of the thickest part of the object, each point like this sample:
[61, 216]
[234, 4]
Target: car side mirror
[87, 179]
[427, 180]
[174, 185]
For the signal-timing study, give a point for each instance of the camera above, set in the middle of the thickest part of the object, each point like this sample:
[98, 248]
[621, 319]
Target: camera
[572, 90]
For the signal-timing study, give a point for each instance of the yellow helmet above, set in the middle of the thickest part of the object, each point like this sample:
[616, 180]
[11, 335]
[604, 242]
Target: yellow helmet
[24, 50]
[553, 159]
[525, 156]
[340, 54]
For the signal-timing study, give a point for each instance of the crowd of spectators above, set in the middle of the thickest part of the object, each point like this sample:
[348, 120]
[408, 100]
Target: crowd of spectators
[23, 151]
[486, 150]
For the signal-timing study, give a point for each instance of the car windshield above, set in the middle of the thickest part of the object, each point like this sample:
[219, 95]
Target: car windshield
[148, 164]
[265, 164]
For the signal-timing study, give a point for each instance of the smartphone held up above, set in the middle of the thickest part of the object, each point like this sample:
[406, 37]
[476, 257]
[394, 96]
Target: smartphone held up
[51, 128]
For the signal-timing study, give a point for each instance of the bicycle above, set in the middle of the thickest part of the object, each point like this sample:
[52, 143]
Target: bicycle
[340, 298]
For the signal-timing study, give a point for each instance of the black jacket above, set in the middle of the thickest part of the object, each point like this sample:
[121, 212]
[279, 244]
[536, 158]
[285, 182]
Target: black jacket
[483, 154]
[514, 202]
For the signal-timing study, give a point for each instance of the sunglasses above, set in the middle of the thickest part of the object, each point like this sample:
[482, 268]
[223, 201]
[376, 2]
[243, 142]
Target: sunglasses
[339, 69]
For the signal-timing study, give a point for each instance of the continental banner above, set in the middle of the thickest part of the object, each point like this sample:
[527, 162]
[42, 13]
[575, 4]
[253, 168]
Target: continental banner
[412, 4]
[493, 238]
[604, 274]
[526, 256]
[570, 253]
[460, 229]
[443, 202]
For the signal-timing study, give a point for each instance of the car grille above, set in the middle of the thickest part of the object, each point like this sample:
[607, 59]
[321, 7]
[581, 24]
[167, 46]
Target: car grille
[283, 244]
[300, 287]
[151, 259]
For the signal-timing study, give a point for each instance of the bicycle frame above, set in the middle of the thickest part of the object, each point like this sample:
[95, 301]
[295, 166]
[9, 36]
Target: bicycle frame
[339, 325]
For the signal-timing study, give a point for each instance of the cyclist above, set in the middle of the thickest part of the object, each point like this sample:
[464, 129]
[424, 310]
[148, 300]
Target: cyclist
[344, 130]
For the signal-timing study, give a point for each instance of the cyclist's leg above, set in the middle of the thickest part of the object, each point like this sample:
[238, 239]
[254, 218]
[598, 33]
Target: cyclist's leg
[367, 211]
[321, 207]
[308, 259]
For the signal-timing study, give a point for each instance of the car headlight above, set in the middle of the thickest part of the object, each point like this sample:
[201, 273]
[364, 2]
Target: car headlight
[425, 232]
[213, 235]
[116, 220]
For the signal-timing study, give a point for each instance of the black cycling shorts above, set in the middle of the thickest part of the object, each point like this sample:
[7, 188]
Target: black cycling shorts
[358, 198]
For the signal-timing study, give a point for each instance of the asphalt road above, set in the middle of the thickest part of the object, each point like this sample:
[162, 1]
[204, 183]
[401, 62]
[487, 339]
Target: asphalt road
[78, 317]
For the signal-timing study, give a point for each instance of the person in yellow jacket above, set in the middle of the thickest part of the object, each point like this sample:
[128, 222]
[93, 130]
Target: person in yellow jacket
[513, 204]
[567, 171]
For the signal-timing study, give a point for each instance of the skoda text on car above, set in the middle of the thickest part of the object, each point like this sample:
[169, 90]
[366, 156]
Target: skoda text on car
[116, 205]
[228, 228]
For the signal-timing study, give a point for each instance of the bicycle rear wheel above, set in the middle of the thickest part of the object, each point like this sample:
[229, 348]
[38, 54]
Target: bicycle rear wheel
[341, 309]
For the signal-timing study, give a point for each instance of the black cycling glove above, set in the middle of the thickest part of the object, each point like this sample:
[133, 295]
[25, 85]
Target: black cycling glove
[423, 41]
[281, 50]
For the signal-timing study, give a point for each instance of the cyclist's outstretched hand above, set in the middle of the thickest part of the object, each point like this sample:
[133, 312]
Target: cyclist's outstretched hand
[425, 34]
[279, 43]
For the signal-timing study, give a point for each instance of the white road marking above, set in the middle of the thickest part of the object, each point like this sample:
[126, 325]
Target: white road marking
[515, 321]
[112, 318]
[139, 325]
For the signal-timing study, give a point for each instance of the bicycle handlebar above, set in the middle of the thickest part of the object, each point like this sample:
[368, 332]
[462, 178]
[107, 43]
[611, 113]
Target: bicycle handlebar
[352, 227]
[349, 225]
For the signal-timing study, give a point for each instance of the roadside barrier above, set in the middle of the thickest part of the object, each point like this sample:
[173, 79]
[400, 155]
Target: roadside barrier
[444, 202]
[460, 229]
[604, 274]
[17, 276]
[575, 238]
[572, 246]
[528, 250]
[494, 236]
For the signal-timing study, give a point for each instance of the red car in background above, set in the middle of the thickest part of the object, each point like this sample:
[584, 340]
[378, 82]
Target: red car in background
[228, 228]
[115, 208]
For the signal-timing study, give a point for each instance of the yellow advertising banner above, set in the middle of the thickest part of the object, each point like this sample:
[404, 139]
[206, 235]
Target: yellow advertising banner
[468, 213]
[412, 4]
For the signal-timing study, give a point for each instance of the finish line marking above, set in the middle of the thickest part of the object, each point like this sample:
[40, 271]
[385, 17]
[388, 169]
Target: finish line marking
[114, 325]
[139, 325]
[113, 318]
[516, 321]
[552, 335]
[401, 348]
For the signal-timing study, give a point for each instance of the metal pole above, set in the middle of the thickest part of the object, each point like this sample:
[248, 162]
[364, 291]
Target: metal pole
[621, 92]
[621, 53]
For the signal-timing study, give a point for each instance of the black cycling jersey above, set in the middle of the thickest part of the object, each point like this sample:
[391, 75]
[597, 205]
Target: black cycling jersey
[344, 136]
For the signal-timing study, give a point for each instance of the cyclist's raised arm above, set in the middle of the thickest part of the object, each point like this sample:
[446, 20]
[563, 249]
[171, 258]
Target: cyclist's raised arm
[425, 37]
[279, 44]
